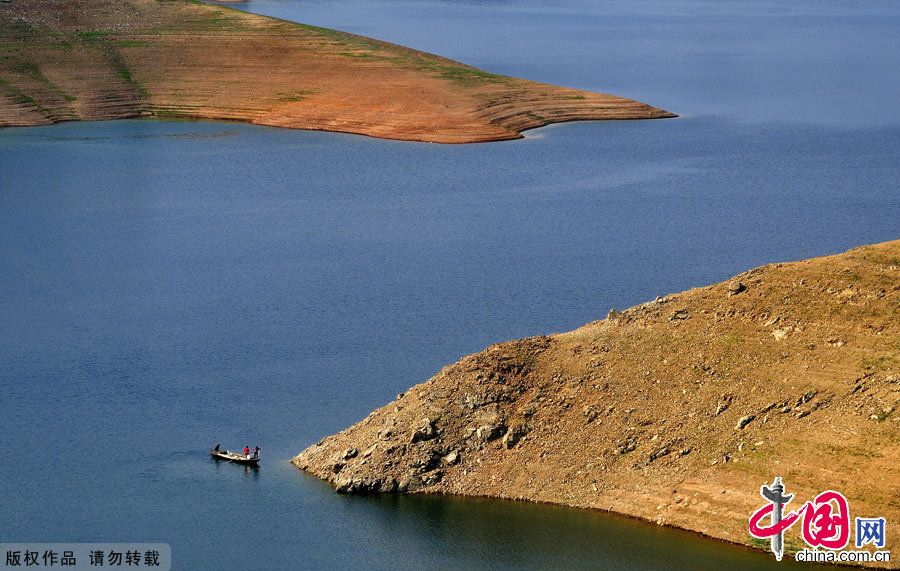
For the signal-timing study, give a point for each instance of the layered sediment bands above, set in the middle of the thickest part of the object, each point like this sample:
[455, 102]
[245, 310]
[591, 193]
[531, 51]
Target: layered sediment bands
[675, 411]
[520, 109]
[105, 59]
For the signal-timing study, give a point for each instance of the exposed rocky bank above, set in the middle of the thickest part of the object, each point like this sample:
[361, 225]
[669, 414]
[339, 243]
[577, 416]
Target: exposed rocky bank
[674, 411]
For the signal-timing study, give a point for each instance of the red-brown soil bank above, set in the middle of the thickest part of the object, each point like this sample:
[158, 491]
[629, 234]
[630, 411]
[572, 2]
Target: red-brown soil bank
[106, 59]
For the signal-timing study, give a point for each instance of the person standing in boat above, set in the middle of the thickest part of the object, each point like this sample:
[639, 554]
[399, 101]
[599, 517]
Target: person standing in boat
[217, 447]
[256, 452]
[247, 451]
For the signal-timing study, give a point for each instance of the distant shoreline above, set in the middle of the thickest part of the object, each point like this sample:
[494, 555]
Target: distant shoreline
[145, 58]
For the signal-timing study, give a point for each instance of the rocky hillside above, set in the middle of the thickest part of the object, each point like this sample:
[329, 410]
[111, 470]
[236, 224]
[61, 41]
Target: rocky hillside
[66, 60]
[675, 411]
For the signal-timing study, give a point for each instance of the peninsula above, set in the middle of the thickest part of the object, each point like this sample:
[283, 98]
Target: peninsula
[65, 60]
[675, 411]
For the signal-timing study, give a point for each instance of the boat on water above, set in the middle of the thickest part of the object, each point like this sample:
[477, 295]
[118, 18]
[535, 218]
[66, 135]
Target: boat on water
[235, 457]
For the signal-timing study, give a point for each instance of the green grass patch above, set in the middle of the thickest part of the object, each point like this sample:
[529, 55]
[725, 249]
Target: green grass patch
[34, 73]
[91, 35]
[296, 96]
[361, 55]
[353, 46]
[23, 99]
[26, 68]
[131, 44]
[19, 97]
[102, 39]
[877, 362]
[221, 23]
[125, 74]
[882, 416]
[466, 75]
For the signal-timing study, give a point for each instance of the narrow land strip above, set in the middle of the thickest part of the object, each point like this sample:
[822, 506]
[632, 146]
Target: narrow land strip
[65, 60]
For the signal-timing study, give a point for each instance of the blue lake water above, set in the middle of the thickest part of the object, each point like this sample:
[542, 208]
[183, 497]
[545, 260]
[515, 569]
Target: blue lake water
[165, 286]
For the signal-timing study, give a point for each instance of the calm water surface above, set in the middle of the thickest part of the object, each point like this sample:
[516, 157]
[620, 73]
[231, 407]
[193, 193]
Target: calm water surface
[165, 286]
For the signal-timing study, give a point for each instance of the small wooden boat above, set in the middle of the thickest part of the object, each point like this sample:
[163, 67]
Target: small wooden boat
[234, 457]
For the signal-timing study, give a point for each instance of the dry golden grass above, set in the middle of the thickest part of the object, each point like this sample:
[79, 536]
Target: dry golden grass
[639, 413]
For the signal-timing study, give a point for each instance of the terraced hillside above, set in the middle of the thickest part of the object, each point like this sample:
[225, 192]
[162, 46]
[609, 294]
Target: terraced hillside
[105, 59]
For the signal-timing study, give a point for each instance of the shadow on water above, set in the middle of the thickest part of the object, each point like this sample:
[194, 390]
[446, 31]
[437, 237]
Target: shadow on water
[247, 469]
[493, 533]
